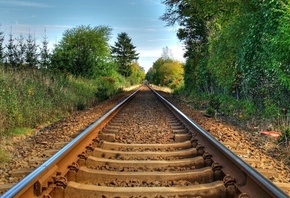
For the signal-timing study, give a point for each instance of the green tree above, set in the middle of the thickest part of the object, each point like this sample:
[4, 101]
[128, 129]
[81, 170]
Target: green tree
[236, 48]
[31, 55]
[193, 33]
[137, 75]
[124, 53]
[44, 53]
[20, 51]
[82, 50]
[166, 71]
[150, 75]
[10, 53]
[1, 46]
[172, 74]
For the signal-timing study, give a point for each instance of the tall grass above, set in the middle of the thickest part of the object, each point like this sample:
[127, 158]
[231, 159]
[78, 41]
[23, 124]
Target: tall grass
[32, 97]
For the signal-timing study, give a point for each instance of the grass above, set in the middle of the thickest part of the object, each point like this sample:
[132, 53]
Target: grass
[29, 98]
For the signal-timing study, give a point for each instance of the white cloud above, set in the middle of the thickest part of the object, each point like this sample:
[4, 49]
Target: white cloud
[148, 55]
[24, 4]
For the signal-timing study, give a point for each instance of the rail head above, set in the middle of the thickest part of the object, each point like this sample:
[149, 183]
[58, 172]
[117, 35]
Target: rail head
[248, 179]
[27, 184]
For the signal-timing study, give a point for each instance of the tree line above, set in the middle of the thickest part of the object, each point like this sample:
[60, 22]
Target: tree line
[236, 50]
[83, 51]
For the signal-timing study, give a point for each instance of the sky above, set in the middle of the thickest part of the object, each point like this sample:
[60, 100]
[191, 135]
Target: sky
[138, 18]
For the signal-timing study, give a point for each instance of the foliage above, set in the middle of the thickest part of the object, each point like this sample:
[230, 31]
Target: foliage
[81, 49]
[19, 51]
[31, 55]
[166, 72]
[24, 92]
[22, 53]
[210, 112]
[124, 53]
[10, 52]
[79, 72]
[106, 88]
[285, 135]
[138, 74]
[44, 54]
[1, 46]
[236, 49]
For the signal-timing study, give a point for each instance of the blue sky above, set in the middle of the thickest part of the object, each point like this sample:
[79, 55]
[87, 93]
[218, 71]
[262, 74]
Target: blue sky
[138, 18]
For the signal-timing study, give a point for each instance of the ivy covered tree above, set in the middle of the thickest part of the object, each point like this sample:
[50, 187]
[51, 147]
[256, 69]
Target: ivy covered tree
[82, 50]
[124, 53]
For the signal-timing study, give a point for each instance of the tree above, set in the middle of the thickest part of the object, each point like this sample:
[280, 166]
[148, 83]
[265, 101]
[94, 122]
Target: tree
[235, 48]
[166, 72]
[193, 32]
[10, 53]
[172, 74]
[124, 53]
[19, 51]
[1, 46]
[44, 53]
[82, 50]
[31, 55]
[137, 75]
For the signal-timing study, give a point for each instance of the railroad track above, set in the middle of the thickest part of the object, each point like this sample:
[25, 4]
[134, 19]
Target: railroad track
[144, 149]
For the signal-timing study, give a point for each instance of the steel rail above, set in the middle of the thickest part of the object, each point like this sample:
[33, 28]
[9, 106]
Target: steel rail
[26, 186]
[248, 180]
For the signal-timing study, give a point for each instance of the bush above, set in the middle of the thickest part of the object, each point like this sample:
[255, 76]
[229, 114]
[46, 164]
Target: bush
[285, 135]
[106, 88]
[210, 112]
[32, 97]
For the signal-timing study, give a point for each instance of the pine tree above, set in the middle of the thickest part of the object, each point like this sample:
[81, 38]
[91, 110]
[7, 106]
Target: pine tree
[19, 51]
[10, 53]
[31, 51]
[1, 46]
[44, 53]
[125, 54]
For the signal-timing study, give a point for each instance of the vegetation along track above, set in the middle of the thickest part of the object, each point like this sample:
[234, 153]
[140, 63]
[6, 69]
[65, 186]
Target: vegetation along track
[142, 148]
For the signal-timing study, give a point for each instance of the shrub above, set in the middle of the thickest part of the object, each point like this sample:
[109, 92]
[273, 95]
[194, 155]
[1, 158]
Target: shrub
[210, 112]
[285, 135]
[106, 88]
[32, 97]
